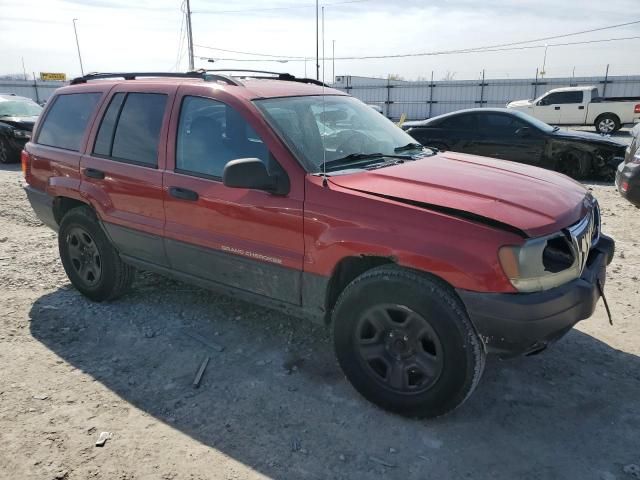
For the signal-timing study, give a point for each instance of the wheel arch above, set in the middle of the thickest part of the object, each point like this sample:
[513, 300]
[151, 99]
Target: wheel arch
[62, 204]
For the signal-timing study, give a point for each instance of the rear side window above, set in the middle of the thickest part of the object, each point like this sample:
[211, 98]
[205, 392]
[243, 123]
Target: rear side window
[67, 119]
[499, 123]
[211, 134]
[130, 128]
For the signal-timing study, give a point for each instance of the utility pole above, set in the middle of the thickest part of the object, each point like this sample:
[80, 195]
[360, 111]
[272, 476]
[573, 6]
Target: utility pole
[190, 37]
[317, 46]
[78, 45]
[333, 61]
[24, 70]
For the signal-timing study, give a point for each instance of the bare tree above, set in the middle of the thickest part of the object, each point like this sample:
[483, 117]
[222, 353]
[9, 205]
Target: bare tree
[449, 76]
[395, 76]
[12, 76]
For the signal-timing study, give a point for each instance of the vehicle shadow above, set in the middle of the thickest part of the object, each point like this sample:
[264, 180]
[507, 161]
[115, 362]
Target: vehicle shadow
[11, 167]
[569, 413]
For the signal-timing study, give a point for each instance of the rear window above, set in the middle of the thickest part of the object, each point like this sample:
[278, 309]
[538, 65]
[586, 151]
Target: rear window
[67, 119]
[130, 128]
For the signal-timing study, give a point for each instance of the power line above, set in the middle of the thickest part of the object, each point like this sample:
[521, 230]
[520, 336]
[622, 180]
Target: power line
[442, 52]
[526, 47]
[266, 9]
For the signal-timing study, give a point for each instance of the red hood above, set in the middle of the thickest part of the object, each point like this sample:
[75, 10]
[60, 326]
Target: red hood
[530, 199]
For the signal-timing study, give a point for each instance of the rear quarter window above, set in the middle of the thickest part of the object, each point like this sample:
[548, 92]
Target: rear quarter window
[66, 121]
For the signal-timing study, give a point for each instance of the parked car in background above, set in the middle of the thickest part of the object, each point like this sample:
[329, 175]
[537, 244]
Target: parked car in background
[582, 106]
[17, 117]
[513, 135]
[628, 174]
[228, 183]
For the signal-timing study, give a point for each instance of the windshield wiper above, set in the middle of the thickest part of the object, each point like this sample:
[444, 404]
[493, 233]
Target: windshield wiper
[408, 146]
[359, 159]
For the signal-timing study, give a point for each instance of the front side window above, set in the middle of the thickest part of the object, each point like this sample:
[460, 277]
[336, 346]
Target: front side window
[67, 119]
[562, 98]
[330, 128]
[211, 134]
[459, 122]
[498, 123]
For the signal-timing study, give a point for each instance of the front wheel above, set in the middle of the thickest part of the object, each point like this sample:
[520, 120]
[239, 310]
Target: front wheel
[90, 261]
[405, 342]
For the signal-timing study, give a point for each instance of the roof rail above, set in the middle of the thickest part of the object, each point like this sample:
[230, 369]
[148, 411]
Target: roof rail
[133, 75]
[278, 76]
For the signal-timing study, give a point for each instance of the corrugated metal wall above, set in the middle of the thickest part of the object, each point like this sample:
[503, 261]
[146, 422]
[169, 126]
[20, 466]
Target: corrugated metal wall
[38, 91]
[426, 99]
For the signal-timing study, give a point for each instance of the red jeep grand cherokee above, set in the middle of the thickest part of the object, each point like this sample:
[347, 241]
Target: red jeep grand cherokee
[299, 197]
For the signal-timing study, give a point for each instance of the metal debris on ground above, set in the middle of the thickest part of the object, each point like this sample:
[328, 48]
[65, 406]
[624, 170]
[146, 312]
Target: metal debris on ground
[196, 381]
[104, 436]
[295, 445]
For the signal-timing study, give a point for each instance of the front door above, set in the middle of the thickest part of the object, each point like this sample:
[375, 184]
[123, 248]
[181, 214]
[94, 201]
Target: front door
[246, 239]
[502, 135]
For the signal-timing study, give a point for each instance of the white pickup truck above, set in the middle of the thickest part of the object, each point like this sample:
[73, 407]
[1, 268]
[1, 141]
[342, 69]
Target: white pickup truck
[582, 106]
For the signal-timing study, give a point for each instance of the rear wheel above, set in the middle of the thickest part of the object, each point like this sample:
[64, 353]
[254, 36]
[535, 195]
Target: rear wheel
[405, 342]
[607, 123]
[90, 261]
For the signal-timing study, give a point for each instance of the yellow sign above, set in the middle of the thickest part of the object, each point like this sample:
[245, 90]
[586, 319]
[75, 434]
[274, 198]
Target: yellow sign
[47, 76]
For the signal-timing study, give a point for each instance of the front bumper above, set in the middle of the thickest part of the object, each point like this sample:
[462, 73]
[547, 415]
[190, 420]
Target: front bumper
[513, 324]
[16, 145]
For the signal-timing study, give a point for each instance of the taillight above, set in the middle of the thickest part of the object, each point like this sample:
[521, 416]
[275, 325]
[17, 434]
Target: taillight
[637, 108]
[25, 159]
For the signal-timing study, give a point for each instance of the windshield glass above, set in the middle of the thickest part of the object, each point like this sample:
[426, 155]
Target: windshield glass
[19, 108]
[539, 124]
[327, 128]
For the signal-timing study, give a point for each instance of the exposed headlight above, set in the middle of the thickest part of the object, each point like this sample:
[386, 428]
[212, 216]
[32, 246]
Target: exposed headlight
[541, 263]
[550, 261]
[21, 133]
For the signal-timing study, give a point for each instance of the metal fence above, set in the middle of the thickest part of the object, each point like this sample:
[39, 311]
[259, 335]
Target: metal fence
[425, 99]
[38, 91]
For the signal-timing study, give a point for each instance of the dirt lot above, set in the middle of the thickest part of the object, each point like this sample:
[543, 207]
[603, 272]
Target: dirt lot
[273, 402]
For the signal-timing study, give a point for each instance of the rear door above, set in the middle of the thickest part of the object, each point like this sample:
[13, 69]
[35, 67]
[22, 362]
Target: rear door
[122, 170]
[504, 136]
[246, 239]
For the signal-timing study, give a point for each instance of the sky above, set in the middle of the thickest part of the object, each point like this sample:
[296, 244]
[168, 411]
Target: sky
[120, 35]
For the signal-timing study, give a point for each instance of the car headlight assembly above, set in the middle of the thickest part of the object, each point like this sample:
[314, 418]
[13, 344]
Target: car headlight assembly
[541, 263]
[21, 133]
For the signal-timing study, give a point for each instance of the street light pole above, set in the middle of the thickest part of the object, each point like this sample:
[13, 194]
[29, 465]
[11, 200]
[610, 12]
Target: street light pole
[78, 46]
[544, 61]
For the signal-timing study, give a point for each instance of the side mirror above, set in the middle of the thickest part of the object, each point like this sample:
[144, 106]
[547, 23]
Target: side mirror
[523, 132]
[252, 173]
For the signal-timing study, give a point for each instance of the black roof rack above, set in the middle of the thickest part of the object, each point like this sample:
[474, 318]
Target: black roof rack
[207, 75]
[277, 76]
[133, 75]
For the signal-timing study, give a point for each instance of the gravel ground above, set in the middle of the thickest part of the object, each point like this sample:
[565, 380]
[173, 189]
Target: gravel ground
[273, 402]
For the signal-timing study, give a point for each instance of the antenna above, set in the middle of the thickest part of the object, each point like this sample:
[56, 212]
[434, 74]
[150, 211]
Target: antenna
[324, 126]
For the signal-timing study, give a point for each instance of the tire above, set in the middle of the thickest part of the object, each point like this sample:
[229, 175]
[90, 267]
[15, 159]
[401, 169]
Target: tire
[91, 262]
[5, 154]
[423, 358]
[607, 123]
[575, 164]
